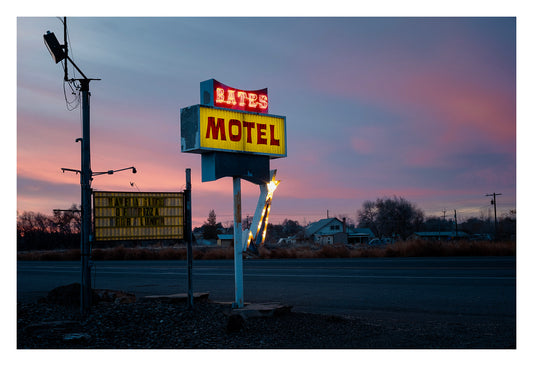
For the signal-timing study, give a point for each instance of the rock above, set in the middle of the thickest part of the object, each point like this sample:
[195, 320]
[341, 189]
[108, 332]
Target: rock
[50, 325]
[114, 296]
[68, 295]
[76, 337]
[177, 298]
[235, 323]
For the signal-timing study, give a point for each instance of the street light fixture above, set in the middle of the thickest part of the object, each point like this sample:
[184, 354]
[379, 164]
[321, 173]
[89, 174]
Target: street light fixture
[55, 49]
[59, 53]
[93, 174]
[133, 170]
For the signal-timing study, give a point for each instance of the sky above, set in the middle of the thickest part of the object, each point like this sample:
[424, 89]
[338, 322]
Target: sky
[422, 108]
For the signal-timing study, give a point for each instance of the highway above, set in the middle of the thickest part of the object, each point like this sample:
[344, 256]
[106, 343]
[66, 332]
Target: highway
[457, 286]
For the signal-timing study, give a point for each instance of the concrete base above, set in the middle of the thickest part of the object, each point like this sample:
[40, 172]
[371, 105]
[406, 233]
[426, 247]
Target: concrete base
[176, 298]
[262, 310]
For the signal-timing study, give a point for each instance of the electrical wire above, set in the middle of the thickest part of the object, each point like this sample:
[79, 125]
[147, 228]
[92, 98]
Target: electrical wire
[75, 102]
[134, 185]
[74, 87]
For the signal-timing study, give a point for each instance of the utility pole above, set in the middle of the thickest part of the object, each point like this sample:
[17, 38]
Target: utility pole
[60, 53]
[455, 217]
[444, 211]
[86, 209]
[493, 202]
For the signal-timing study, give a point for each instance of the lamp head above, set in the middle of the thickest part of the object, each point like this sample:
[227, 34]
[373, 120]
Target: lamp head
[55, 49]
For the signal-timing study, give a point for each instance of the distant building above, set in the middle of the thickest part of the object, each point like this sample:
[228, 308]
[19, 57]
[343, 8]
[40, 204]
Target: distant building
[439, 235]
[224, 239]
[360, 236]
[335, 231]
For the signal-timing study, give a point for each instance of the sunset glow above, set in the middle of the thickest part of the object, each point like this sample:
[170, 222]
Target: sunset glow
[422, 108]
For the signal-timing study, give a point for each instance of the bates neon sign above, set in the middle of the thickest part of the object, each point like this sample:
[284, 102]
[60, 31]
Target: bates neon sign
[216, 94]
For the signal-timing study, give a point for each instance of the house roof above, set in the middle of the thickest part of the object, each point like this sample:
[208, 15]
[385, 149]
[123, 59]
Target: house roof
[362, 231]
[225, 236]
[313, 228]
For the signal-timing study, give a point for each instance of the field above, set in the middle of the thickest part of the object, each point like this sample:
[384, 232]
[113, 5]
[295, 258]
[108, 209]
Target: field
[413, 248]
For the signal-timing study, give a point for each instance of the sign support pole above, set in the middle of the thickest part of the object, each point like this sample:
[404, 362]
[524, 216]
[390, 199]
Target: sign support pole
[237, 243]
[86, 176]
[188, 230]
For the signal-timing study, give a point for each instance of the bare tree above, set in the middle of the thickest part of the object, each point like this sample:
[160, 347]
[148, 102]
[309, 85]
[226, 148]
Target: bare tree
[30, 221]
[391, 217]
[367, 217]
[68, 221]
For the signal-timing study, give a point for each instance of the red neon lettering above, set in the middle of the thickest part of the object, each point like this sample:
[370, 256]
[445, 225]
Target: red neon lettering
[273, 140]
[249, 126]
[263, 101]
[261, 134]
[231, 97]
[213, 128]
[220, 95]
[235, 136]
[242, 98]
[252, 100]
[245, 100]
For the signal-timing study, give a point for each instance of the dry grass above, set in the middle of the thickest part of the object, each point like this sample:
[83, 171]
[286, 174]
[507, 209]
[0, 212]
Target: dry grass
[413, 248]
[425, 248]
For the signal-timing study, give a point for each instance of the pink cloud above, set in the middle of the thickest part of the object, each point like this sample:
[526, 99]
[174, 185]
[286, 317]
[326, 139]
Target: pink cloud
[452, 87]
[365, 140]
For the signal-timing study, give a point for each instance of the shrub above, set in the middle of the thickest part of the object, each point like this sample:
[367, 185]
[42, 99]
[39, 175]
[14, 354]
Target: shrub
[412, 248]
[173, 254]
[218, 253]
[334, 251]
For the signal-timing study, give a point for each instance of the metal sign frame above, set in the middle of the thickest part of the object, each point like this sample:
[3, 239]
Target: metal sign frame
[138, 215]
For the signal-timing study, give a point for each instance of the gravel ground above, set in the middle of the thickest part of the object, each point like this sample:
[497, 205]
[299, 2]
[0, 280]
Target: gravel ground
[161, 325]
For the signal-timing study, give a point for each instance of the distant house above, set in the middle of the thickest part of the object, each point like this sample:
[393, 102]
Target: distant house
[360, 236]
[225, 239]
[291, 240]
[439, 235]
[335, 231]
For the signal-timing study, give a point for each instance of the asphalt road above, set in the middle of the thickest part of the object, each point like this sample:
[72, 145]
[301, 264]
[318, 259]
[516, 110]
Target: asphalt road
[465, 286]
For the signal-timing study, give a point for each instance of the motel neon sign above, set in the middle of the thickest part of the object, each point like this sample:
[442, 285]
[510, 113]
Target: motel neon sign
[232, 120]
[214, 129]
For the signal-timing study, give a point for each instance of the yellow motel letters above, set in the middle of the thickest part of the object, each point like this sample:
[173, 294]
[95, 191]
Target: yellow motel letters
[242, 132]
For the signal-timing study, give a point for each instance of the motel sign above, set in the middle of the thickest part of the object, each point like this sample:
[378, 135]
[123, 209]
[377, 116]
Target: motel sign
[237, 138]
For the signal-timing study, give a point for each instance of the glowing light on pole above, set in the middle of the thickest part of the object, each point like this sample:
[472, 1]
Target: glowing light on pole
[260, 221]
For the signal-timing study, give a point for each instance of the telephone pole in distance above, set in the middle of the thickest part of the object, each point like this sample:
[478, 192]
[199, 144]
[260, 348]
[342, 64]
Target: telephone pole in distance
[493, 202]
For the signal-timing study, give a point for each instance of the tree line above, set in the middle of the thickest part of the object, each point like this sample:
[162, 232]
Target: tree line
[36, 231]
[393, 217]
[398, 218]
